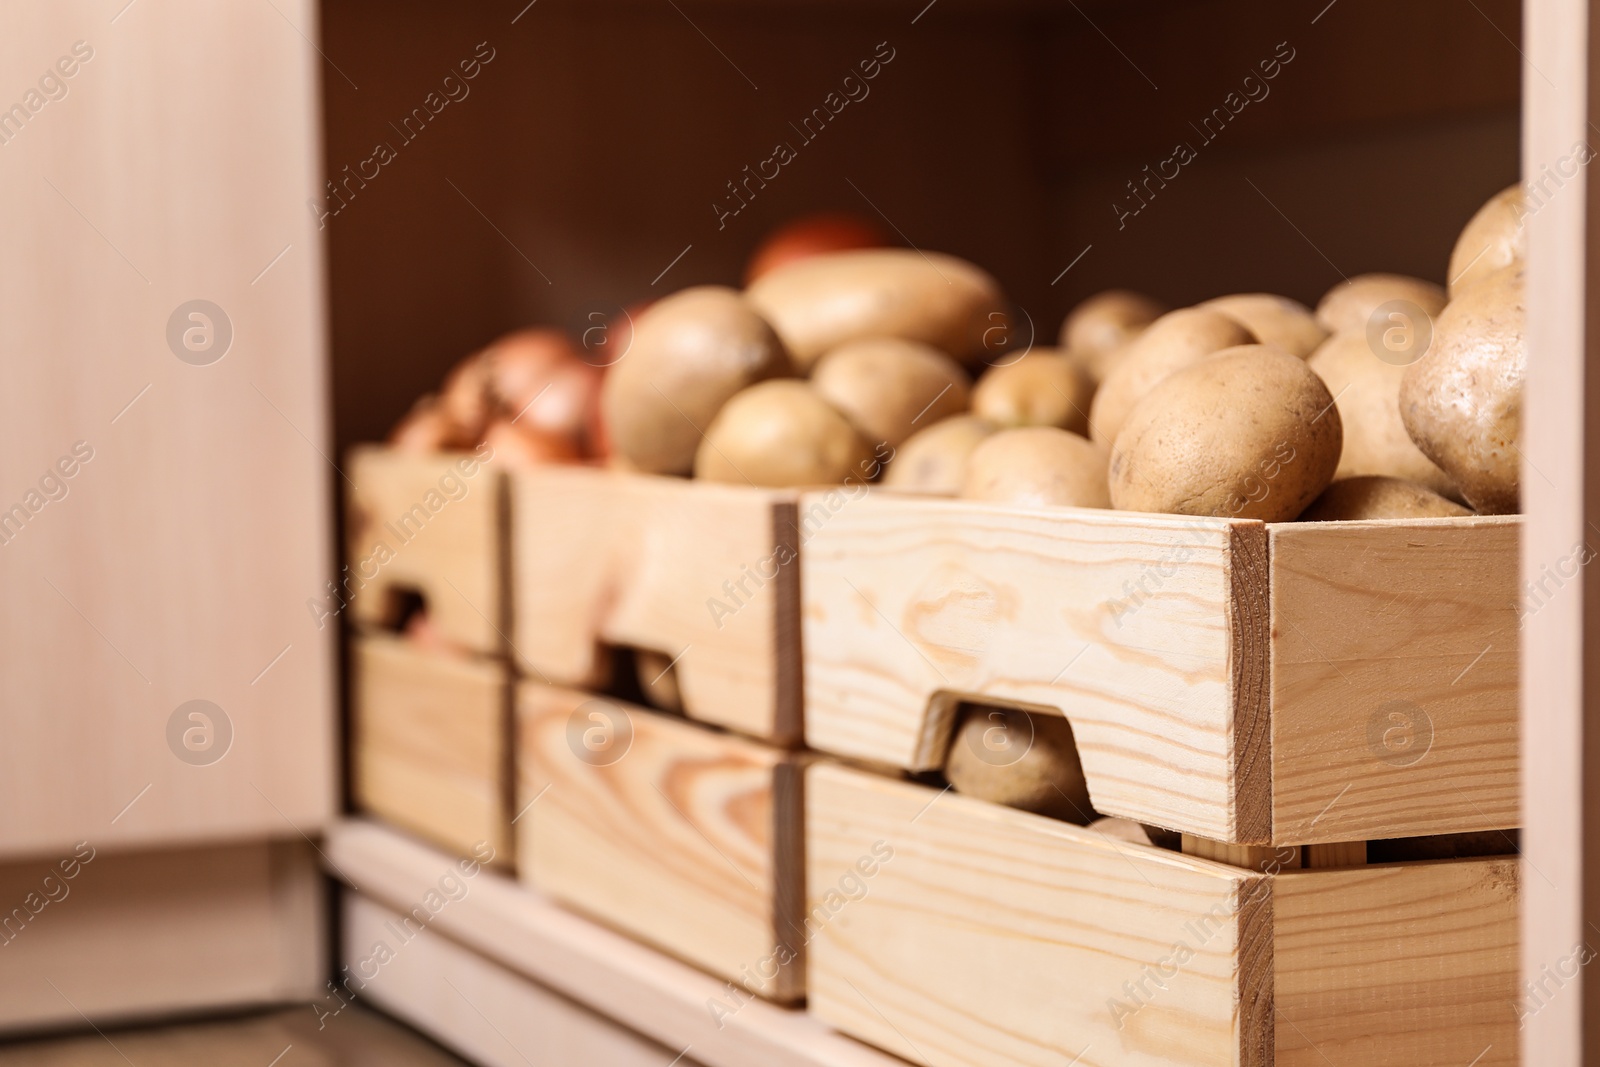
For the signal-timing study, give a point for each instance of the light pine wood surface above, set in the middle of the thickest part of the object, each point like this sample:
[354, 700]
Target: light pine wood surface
[1559, 427]
[1122, 624]
[434, 526]
[684, 836]
[646, 990]
[689, 569]
[1394, 678]
[140, 934]
[479, 1008]
[1231, 680]
[992, 936]
[1413, 965]
[430, 734]
[179, 561]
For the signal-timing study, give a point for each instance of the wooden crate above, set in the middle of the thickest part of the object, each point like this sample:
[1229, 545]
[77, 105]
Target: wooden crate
[706, 574]
[1245, 682]
[950, 930]
[431, 526]
[681, 835]
[430, 739]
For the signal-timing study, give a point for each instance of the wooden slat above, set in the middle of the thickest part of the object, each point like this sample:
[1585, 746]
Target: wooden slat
[1404, 965]
[177, 563]
[985, 935]
[1394, 678]
[141, 934]
[431, 525]
[654, 994]
[673, 833]
[1560, 442]
[689, 569]
[430, 740]
[486, 1012]
[1122, 622]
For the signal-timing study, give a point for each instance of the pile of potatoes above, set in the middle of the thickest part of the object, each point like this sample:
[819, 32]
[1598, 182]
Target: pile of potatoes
[840, 363]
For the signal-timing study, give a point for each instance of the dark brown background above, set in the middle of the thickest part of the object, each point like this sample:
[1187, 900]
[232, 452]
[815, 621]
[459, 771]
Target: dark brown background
[599, 136]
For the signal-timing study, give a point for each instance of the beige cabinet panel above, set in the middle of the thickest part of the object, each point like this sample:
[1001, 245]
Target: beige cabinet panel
[164, 503]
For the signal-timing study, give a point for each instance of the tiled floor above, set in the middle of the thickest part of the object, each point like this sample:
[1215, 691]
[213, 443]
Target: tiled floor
[284, 1038]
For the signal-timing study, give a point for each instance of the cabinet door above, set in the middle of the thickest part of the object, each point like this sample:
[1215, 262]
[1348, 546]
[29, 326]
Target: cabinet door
[164, 477]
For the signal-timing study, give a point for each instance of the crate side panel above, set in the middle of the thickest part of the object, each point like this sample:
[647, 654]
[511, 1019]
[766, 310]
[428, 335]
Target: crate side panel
[1394, 678]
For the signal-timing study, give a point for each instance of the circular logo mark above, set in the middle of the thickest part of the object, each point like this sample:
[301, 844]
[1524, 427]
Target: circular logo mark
[599, 733]
[1004, 340]
[1399, 332]
[1400, 733]
[607, 338]
[1005, 737]
[199, 732]
[199, 332]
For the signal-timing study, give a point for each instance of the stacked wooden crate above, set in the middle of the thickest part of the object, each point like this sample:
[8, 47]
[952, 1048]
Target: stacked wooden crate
[1325, 712]
[431, 714]
[1291, 697]
[681, 827]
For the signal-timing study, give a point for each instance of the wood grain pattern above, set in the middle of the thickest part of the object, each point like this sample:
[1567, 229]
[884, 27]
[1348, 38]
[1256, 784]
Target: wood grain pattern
[176, 563]
[431, 525]
[486, 1012]
[1221, 678]
[1394, 678]
[1122, 623]
[150, 933]
[431, 742]
[992, 936]
[689, 569]
[650, 992]
[670, 831]
[1401, 965]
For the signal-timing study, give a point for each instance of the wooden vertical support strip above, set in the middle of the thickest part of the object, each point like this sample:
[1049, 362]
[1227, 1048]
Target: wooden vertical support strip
[1337, 854]
[788, 700]
[1264, 858]
[1250, 639]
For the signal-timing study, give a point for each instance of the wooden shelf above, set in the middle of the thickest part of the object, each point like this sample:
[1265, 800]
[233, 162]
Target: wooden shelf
[659, 997]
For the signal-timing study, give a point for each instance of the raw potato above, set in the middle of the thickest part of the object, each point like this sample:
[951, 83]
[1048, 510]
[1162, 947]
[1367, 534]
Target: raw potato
[782, 433]
[1102, 324]
[1377, 497]
[1176, 340]
[1492, 240]
[690, 353]
[1462, 401]
[1038, 466]
[1043, 388]
[821, 302]
[935, 460]
[1366, 390]
[1348, 306]
[1275, 320]
[658, 679]
[891, 388]
[1023, 761]
[1250, 433]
